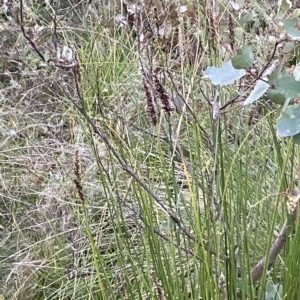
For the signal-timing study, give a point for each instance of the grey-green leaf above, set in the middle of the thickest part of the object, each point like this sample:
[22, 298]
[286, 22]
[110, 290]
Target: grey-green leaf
[285, 5]
[169, 225]
[296, 72]
[296, 139]
[243, 59]
[245, 19]
[224, 75]
[260, 88]
[288, 123]
[288, 86]
[276, 96]
[292, 28]
[273, 291]
[276, 74]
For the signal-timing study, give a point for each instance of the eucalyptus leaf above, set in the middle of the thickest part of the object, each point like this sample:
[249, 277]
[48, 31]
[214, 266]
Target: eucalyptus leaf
[288, 86]
[288, 47]
[273, 291]
[169, 225]
[296, 139]
[243, 59]
[224, 75]
[288, 123]
[285, 5]
[245, 19]
[276, 97]
[292, 28]
[260, 88]
[296, 72]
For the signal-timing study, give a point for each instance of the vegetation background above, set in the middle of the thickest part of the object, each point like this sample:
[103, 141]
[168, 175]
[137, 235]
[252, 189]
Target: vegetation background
[124, 173]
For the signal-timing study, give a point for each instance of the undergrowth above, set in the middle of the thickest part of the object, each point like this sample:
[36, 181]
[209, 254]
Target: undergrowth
[119, 177]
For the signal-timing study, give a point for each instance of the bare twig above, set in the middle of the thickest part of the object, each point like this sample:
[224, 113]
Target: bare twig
[50, 62]
[26, 36]
[279, 243]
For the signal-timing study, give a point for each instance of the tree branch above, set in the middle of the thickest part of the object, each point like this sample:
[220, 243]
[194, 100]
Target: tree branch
[279, 243]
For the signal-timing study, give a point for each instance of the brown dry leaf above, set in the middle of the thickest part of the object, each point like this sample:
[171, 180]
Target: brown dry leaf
[293, 199]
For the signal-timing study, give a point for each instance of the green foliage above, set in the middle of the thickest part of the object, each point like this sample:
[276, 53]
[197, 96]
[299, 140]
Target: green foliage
[275, 96]
[273, 291]
[224, 75]
[292, 28]
[288, 86]
[282, 90]
[243, 59]
[260, 88]
[288, 124]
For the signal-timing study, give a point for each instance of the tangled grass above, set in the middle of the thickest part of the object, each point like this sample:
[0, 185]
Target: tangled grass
[140, 193]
